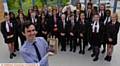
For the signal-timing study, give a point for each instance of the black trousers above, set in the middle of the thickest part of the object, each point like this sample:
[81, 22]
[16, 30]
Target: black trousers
[73, 43]
[83, 42]
[63, 42]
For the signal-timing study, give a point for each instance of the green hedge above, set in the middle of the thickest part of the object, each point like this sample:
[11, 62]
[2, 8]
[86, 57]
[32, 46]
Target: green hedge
[14, 5]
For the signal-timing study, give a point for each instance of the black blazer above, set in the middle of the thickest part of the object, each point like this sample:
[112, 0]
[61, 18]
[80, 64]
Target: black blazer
[89, 18]
[102, 18]
[112, 31]
[82, 28]
[43, 27]
[98, 35]
[70, 28]
[4, 30]
[60, 27]
[52, 23]
[36, 23]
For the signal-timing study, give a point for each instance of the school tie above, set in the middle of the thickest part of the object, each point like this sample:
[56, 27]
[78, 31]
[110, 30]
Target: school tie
[37, 51]
[95, 30]
[102, 15]
[63, 24]
[106, 20]
[10, 27]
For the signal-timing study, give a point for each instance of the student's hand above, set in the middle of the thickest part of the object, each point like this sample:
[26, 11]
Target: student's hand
[10, 36]
[71, 34]
[45, 32]
[51, 54]
[110, 39]
[81, 35]
[62, 34]
[55, 29]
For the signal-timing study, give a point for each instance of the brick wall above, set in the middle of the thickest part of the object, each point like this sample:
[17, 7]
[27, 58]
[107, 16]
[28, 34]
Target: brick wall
[1, 11]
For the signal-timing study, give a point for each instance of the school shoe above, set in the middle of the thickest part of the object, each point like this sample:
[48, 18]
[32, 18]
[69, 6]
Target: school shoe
[103, 51]
[62, 49]
[90, 48]
[106, 57]
[109, 59]
[92, 55]
[95, 59]
[13, 54]
[74, 50]
[80, 51]
[83, 52]
[70, 50]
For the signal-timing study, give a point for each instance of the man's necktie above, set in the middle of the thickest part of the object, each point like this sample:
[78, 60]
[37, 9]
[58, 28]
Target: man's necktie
[37, 51]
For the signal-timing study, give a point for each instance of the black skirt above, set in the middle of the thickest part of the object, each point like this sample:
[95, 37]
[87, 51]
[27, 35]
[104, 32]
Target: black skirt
[9, 40]
[112, 42]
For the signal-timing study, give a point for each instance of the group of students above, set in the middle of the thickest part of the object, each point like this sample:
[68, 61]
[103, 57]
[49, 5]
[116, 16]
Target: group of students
[91, 26]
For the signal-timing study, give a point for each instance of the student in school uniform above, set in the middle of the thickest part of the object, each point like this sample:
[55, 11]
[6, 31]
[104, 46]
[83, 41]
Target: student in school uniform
[8, 32]
[112, 31]
[62, 32]
[43, 28]
[102, 13]
[71, 33]
[95, 36]
[21, 19]
[82, 29]
[68, 15]
[13, 19]
[106, 21]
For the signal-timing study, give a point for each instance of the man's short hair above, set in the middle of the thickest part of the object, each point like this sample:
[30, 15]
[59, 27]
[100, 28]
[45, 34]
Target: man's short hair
[27, 24]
